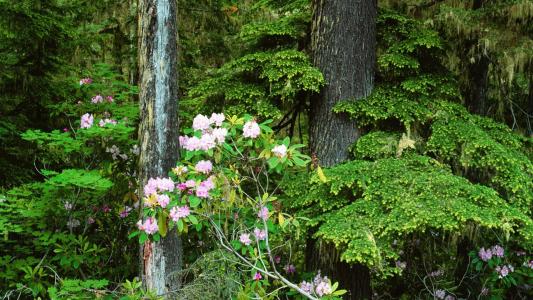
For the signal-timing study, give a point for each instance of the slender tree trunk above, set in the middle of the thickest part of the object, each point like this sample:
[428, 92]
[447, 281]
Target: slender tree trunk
[344, 49]
[478, 73]
[158, 131]
[478, 77]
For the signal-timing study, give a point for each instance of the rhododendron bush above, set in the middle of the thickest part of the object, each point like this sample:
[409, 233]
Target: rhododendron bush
[226, 184]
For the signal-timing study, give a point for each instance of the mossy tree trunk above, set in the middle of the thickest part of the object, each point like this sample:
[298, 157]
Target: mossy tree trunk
[344, 48]
[158, 130]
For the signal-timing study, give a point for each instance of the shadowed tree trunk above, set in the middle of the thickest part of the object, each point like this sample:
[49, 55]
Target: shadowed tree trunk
[344, 49]
[158, 130]
[478, 77]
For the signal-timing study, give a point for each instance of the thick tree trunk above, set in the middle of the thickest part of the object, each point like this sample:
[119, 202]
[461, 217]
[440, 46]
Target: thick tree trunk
[344, 49]
[158, 130]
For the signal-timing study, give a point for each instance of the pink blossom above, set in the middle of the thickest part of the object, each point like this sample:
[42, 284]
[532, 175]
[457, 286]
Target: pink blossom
[158, 184]
[280, 151]
[306, 287]
[290, 269]
[149, 226]
[200, 122]
[277, 259]
[485, 255]
[190, 183]
[97, 99]
[202, 192]
[106, 121]
[260, 234]
[106, 209]
[504, 270]
[204, 166]
[177, 213]
[163, 200]
[207, 142]
[124, 213]
[245, 239]
[85, 81]
[497, 250]
[65, 129]
[90, 220]
[109, 99]
[251, 130]
[208, 183]
[440, 294]
[87, 121]
[217, 119]
[323, 288]
[191, 144]
[257, 276]
[263, 213]
[220, 134]
[180, 170]
[182, 186]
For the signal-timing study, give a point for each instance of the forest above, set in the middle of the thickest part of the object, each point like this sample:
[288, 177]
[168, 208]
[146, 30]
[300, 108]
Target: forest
[266, 149]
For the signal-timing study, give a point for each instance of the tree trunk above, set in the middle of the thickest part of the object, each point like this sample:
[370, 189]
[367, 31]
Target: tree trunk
[344, 48]
[158, 129]
[478, 72]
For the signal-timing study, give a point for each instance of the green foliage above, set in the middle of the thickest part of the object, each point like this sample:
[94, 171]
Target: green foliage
[396, 197]
[271, 76]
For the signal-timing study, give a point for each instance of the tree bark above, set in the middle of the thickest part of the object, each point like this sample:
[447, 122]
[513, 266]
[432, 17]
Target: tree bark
[158, 129]
[344, 49]
[343, 45]
[478, 73]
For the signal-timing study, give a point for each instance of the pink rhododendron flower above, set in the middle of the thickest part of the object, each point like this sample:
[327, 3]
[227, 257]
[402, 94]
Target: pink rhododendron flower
[85, 81]
[191, 143]
[323, 288]
[87, 121]
[440, 294]
[190, 183]
[485, 255]
[306, 287]
[104, 122]
[182, 186]
[204, 166]
[158, 184]
[290, 269]
[257, 276]
[263, 213]
[260, 234]
[202, 192]
[208, 183]
[90, 220]
[149, 226]
[106, 209]
[217, 119]
[245, 239]
[65, 129]
[109, 99]
[177, 213]
[97, 99]
[251, 130]
[220, 134]
[207, 141]
[200, 122]
[497, 250]
[504, 270]
[280, 151]
[125, 212]
[163, 200]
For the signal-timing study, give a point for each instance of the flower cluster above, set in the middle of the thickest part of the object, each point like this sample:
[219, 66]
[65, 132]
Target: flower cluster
[99, 99]
[280, 151]
[86, 121]
[85, 81]
[320, 286]
[115, 152]
[177, 213]
[504, 270]
[149, 225]
[210, 138]
[487, 254]
[104, 122]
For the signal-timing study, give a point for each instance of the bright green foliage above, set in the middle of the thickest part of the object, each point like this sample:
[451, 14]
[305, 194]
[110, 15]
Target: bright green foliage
[396, 197]
[268, 82]
[376, 145]
[470, 149]
[283, 74]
